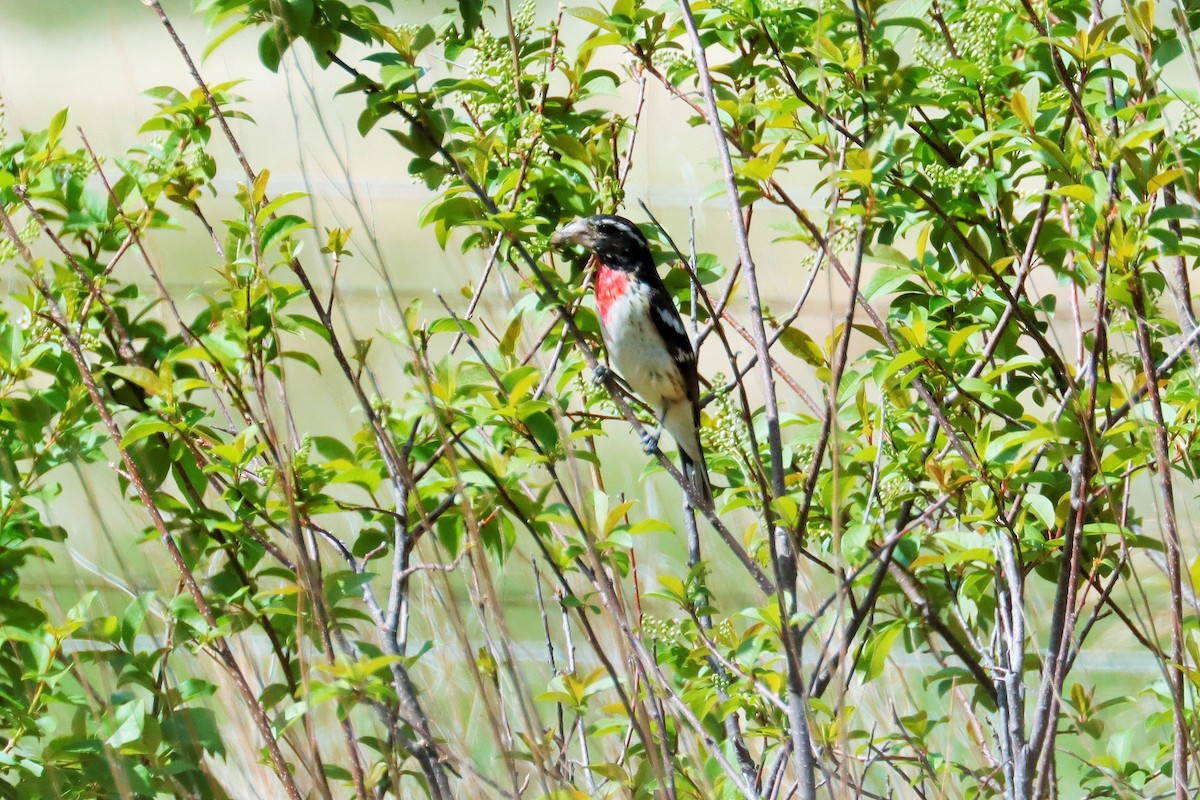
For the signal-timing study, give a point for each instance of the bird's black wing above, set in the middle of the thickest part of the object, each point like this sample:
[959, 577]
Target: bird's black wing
[670, 327]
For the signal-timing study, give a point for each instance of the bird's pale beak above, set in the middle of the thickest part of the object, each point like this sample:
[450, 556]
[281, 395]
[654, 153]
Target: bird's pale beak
[577, 232]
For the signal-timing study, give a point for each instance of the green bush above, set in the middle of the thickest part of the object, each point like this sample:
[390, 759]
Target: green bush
[913, 573]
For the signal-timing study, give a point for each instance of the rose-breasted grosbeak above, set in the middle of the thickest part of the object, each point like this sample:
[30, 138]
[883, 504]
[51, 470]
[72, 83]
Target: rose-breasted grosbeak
[646, 340]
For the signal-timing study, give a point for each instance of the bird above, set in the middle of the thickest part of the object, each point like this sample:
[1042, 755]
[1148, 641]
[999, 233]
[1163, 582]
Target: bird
[644, 335]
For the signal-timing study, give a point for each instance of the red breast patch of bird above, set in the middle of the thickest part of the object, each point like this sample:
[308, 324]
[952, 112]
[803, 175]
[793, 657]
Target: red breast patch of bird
[610, 287]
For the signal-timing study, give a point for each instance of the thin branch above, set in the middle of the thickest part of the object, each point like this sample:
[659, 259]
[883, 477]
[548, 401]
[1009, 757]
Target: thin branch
[783, 557]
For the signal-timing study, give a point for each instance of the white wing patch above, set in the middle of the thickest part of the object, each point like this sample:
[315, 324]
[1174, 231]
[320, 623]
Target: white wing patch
[672, 321]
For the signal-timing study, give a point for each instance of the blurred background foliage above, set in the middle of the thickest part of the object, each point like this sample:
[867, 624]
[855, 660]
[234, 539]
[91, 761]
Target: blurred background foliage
[279, 519]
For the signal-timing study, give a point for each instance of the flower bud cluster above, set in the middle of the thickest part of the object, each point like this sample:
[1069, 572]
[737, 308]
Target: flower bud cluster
[785, 6]
[523, 19]
[670, 60]
[840, 241]
[661, 631]
[890, 487]
[727, 434]
[29, 232]
[492, 63]
[965, 177]
[304, 450]
[595, 394]
[1187, 130]
[771, 92]
[803, 460]
[976, 36]
[530, 139]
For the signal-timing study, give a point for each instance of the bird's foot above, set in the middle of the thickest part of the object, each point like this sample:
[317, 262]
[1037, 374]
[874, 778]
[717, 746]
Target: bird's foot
[601, 375]
[650, 440]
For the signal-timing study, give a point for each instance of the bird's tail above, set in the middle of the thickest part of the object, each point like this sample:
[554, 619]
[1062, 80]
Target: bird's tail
[683, 421]
[697, 473]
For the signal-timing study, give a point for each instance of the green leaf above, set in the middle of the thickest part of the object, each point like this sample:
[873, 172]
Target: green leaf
[279, 202]
[888, 279]
[904, 359]
[609, 771]
[1043, 509]
[881, 646]
[801, 345]
[12, 343]
[222, 37]
[1139, 134]
[651, 525]
[271, 47]
[961, 336]
[297, 16]
[144, 428]
[140, 376]
[1077, 191]
[134, 616]
[512, 335]
[304, 357]
[130, 721]
[589, 14]
[1020, 109]
[471, 12]
[1164, 178]
[55, 128]
[282, 227]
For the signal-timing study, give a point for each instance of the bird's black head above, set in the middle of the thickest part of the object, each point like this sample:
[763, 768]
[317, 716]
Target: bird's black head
[616, 241]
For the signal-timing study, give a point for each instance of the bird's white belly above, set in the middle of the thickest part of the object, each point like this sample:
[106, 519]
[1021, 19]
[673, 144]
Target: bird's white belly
[636, 350]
